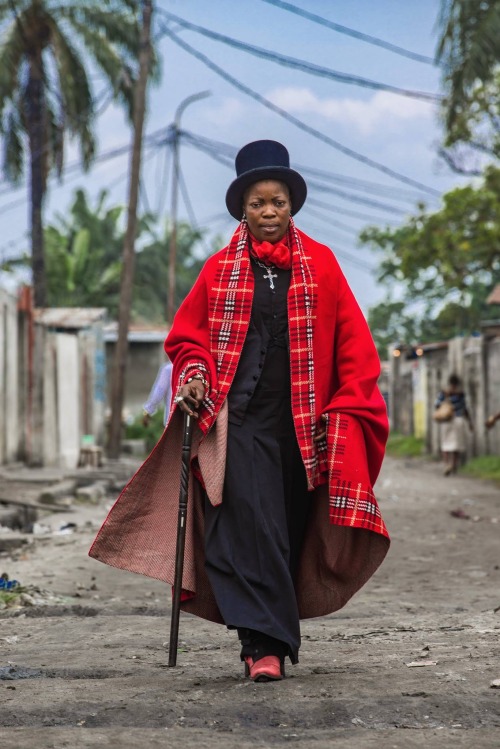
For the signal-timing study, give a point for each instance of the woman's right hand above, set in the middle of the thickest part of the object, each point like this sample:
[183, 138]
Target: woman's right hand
[192, 394]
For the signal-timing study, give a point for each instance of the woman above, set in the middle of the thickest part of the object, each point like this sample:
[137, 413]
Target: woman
[453, 439]
[273, 356]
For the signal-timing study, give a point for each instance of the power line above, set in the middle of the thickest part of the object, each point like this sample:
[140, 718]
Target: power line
[313, 184]
[298, 123]
[225, 154]
[333, 222]
[303, 65]
[346, 256]
[157, 138]
[202, 145]
[352, 32]
[335, 190]
[396, 193]
[223, 151]
[348, 212]
[337, 209]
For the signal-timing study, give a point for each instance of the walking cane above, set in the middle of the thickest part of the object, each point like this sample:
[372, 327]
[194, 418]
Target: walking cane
[181, 539]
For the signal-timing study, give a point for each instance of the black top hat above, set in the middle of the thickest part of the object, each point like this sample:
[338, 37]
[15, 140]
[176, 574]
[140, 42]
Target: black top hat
[264, 159]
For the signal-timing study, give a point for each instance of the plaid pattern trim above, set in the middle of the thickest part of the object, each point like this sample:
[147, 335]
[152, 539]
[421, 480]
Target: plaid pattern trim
[230, 306]
[352, 501]
[302, 302]
[348, 459]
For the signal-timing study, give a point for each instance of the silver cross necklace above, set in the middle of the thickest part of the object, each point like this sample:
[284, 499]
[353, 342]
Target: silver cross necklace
[269, 272]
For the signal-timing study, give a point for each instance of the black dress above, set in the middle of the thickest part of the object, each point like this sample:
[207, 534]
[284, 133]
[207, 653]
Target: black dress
[253, 539]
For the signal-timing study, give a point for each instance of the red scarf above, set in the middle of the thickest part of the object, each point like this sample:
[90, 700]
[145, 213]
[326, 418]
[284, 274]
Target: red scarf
[357, 413]
[277, 254]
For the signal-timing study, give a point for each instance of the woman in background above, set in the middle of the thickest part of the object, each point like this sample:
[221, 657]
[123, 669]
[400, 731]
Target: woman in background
[453, 433]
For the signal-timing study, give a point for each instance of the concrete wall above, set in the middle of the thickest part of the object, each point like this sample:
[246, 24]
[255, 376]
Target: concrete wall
[492, 370]
[143, 362]
[415, 383]
[93, 377]
[68, 394]
[9, 368]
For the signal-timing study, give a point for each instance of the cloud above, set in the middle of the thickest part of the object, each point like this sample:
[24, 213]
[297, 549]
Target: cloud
[383, 109]
[228, 113]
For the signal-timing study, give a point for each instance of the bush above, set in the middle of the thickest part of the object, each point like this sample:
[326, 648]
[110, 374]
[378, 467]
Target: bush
[150, 434]
[405, 446]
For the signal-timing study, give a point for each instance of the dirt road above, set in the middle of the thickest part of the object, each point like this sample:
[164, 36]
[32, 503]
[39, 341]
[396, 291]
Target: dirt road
[408, 663]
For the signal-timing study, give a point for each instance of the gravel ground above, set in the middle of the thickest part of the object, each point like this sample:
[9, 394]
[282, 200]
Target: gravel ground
[408, 663]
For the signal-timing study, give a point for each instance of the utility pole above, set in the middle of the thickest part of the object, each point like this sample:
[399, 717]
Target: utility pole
[175, 192]
[128, 257]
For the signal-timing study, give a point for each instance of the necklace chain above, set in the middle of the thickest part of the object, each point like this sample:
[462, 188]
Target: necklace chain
[271, 266]
[269, 272]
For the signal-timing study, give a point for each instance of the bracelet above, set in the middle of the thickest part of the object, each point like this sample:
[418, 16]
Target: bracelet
[201, 379]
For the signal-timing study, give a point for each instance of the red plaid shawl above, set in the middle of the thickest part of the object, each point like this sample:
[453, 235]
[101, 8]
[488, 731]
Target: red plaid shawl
[334, 365]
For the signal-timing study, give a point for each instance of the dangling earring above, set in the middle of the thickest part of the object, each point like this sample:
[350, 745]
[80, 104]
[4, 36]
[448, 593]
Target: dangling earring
[244, 218]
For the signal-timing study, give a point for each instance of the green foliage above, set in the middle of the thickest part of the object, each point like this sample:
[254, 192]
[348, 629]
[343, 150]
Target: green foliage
[404, 446]
[484, 467]
[83, 256]
[84, 260]
[152, 262]
[10, 597]
[150, 433]
[390, 324]
[447, 262]
[475, 131]
[469, 53]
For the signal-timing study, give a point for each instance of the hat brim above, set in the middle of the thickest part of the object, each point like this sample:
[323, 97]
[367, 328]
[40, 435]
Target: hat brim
[294, 181]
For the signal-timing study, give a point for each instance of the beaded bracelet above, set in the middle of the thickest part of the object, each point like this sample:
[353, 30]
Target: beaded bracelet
[201, 379]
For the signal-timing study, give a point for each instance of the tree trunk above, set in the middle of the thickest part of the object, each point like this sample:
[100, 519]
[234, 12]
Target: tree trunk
[121, 350]
[34, 116]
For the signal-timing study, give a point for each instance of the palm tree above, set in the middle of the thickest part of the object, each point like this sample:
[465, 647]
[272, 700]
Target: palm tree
[468, 50]
[46, 92]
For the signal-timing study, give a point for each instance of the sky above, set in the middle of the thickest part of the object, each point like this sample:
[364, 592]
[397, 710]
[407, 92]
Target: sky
[398, 132]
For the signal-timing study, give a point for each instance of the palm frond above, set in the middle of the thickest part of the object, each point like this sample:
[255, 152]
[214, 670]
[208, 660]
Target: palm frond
[76, 101]
[119, 29]
[116, 69]
[13, 148]
[11, 54]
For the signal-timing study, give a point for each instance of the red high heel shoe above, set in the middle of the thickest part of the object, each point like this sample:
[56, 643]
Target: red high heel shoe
[268, 668]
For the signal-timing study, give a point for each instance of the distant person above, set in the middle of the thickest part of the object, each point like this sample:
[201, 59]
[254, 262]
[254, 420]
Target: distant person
[161, 393]
[491, 420]
[453, 433]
